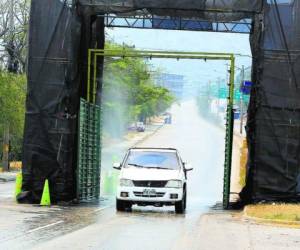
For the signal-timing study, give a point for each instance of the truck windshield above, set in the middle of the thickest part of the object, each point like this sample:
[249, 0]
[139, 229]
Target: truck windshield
[150, 159]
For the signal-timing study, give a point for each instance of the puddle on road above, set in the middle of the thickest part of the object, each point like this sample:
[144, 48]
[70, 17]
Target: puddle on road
[48, 223]
[32, 223]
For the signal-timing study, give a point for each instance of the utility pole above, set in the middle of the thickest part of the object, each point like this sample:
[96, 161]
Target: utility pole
[241, 101]
[209, 90]
[218, 100]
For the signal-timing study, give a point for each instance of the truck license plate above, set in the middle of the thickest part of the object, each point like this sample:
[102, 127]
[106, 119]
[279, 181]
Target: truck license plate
[149, 192]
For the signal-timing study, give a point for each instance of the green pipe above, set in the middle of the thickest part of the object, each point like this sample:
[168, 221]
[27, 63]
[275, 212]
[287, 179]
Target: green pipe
[153, 54]
[119, 51]
[167, 56]
[89, 76]
[164, 55]
[229, 138]
[232, 75]
[95, 80]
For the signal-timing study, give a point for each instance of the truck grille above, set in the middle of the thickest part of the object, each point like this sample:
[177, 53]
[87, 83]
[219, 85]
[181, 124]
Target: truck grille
[156, 184]
[141, 194]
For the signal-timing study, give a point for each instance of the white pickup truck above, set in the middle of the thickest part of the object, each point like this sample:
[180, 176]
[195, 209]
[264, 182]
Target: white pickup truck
[152, 176]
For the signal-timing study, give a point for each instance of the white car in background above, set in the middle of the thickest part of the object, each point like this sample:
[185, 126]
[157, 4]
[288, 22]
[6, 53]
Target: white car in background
[140, 127]
[152, 176]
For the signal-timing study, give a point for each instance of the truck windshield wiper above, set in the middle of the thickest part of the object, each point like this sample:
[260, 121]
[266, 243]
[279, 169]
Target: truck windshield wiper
[161, 168]
[135, 165]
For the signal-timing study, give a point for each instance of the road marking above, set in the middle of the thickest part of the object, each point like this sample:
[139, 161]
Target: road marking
[102, 208]
[6, 196]
[43, 227]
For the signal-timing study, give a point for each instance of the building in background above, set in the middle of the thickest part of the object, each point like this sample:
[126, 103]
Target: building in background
[173, 82]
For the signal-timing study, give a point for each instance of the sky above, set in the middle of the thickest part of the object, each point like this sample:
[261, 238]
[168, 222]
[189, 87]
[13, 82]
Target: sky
[194, 70]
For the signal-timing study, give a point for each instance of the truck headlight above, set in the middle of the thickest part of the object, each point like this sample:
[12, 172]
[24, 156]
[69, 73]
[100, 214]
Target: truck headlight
[126, 183]
[174, 184]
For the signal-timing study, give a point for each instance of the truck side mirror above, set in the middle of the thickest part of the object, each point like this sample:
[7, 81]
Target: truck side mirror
[187, 167]
[117, 165]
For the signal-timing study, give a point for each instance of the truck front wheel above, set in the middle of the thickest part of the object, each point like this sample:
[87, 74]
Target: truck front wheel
[181, 205]
[122, 205]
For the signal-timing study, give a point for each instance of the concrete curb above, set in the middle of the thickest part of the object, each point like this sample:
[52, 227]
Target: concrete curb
[270, 221]
[8, 176]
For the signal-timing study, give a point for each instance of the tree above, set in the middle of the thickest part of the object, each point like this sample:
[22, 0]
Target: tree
[130, 93]
[12, 110]
[14, 20]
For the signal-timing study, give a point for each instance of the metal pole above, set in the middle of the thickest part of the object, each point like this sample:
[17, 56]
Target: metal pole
[241, 102]
[209, 89]
[89, 76]
[229, 138]
[218, 100]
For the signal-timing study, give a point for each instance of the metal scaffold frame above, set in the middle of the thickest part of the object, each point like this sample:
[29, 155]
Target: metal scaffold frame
[93, 55]
[89, 147]
[148, 21]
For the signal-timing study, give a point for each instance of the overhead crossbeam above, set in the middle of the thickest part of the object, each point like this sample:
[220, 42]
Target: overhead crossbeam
[149, 21]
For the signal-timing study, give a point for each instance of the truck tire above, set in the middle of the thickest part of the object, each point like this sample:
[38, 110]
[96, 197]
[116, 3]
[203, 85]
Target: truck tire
[181, 205]
[122, 205]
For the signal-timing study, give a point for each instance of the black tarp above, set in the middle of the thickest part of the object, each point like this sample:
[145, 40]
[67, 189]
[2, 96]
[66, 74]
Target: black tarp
[49, 150]
[274, 111]
[167, 5]
[57, 67]
[207, 10]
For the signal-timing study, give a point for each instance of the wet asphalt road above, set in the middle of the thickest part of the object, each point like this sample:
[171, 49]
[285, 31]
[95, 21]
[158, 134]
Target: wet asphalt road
[6, 190]
[99, 226]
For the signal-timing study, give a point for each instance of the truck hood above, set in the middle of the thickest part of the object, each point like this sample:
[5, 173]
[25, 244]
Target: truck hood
[144, 174]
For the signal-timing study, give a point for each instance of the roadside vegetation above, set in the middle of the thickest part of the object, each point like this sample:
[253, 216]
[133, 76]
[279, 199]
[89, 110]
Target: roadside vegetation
[243, 163]
[242, 181]
[14, 17]
[12, 110]
[277, 213]
[130, 93]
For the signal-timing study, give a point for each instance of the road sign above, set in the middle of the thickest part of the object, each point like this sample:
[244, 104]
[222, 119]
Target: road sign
[246, 87]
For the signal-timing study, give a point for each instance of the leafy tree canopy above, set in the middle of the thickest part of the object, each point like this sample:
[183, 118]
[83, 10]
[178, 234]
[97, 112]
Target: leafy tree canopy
[130, 93]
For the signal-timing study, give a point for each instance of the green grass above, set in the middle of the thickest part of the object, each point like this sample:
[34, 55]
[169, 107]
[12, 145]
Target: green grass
[243, 163]
[242, 181]
[276, 212]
